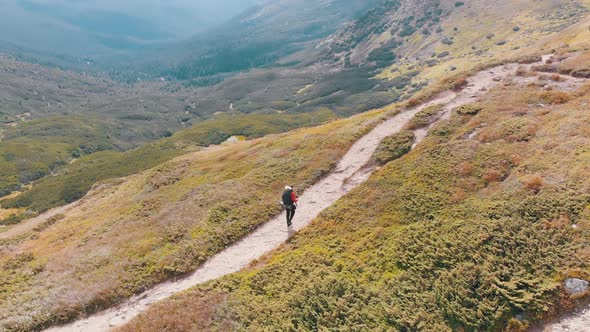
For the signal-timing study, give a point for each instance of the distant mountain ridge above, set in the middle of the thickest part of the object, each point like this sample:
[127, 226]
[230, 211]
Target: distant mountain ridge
[261, 35]
[95, 29]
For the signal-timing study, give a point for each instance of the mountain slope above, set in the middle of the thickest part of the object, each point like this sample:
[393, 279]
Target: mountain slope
[49, 117]
[437, 37]
[160, 223]
[121, 117]
[42, 95]
[131, 233]
[259, 36]
[475, 230]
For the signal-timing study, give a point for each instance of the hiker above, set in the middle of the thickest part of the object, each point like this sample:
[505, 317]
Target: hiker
[290, 203]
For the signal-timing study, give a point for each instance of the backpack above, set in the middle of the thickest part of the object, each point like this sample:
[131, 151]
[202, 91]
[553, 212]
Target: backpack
[287, 202]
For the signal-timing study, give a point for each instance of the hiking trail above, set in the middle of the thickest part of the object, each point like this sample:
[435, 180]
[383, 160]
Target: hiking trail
[575, 321]
[30, 224]
[352, 170]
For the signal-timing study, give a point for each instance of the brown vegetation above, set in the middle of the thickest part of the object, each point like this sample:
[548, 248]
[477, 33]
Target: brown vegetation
[533, 183]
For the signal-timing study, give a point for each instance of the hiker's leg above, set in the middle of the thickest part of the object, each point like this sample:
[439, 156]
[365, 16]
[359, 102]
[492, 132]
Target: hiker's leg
[292, 215]
[288, 215]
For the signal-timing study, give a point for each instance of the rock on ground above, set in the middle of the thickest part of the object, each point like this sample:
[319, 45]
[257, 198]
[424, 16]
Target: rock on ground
[575, 286]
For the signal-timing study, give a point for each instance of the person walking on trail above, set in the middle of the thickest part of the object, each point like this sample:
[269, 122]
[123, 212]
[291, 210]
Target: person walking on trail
[290, 203]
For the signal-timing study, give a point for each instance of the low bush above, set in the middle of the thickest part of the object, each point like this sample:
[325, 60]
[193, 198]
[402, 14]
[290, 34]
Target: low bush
[459, 84]
[517, 129]
[529, 59]
[492, 175]
[465, 169]
[12, 219]
[533, 183]
[468, 109]
[443, 54]
[425, 117]
[553, 97]
[394, 147]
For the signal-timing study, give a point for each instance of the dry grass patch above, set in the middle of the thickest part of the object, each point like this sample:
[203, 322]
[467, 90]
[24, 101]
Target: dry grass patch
[553, 97]
[533, 183]
[577, 66]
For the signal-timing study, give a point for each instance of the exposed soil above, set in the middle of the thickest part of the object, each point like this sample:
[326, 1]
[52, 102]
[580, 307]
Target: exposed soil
[576, 321]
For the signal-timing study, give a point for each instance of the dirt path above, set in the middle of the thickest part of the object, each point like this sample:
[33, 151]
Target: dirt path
[576, 321]
[30, 224]
[350, 172]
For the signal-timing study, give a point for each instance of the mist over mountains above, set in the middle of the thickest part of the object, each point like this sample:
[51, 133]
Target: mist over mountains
[80, 28]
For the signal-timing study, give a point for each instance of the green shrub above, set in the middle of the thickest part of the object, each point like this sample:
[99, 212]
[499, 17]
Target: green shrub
[447, 41]
[425, 117]
[443, 54]
[394, 147]
[12, 219]
[468, 109]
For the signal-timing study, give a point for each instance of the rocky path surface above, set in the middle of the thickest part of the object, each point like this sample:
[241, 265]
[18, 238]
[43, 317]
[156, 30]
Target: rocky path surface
[576, 321]
[351, 171]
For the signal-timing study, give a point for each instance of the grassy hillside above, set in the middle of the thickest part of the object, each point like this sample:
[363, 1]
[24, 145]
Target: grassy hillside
[131, 233]
[391, 52]
[475, 230]
[382, 57]
[481, 213]
[72, 181]
[428, 40]
[49, 117]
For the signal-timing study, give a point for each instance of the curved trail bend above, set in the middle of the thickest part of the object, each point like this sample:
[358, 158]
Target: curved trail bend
[351, 171]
